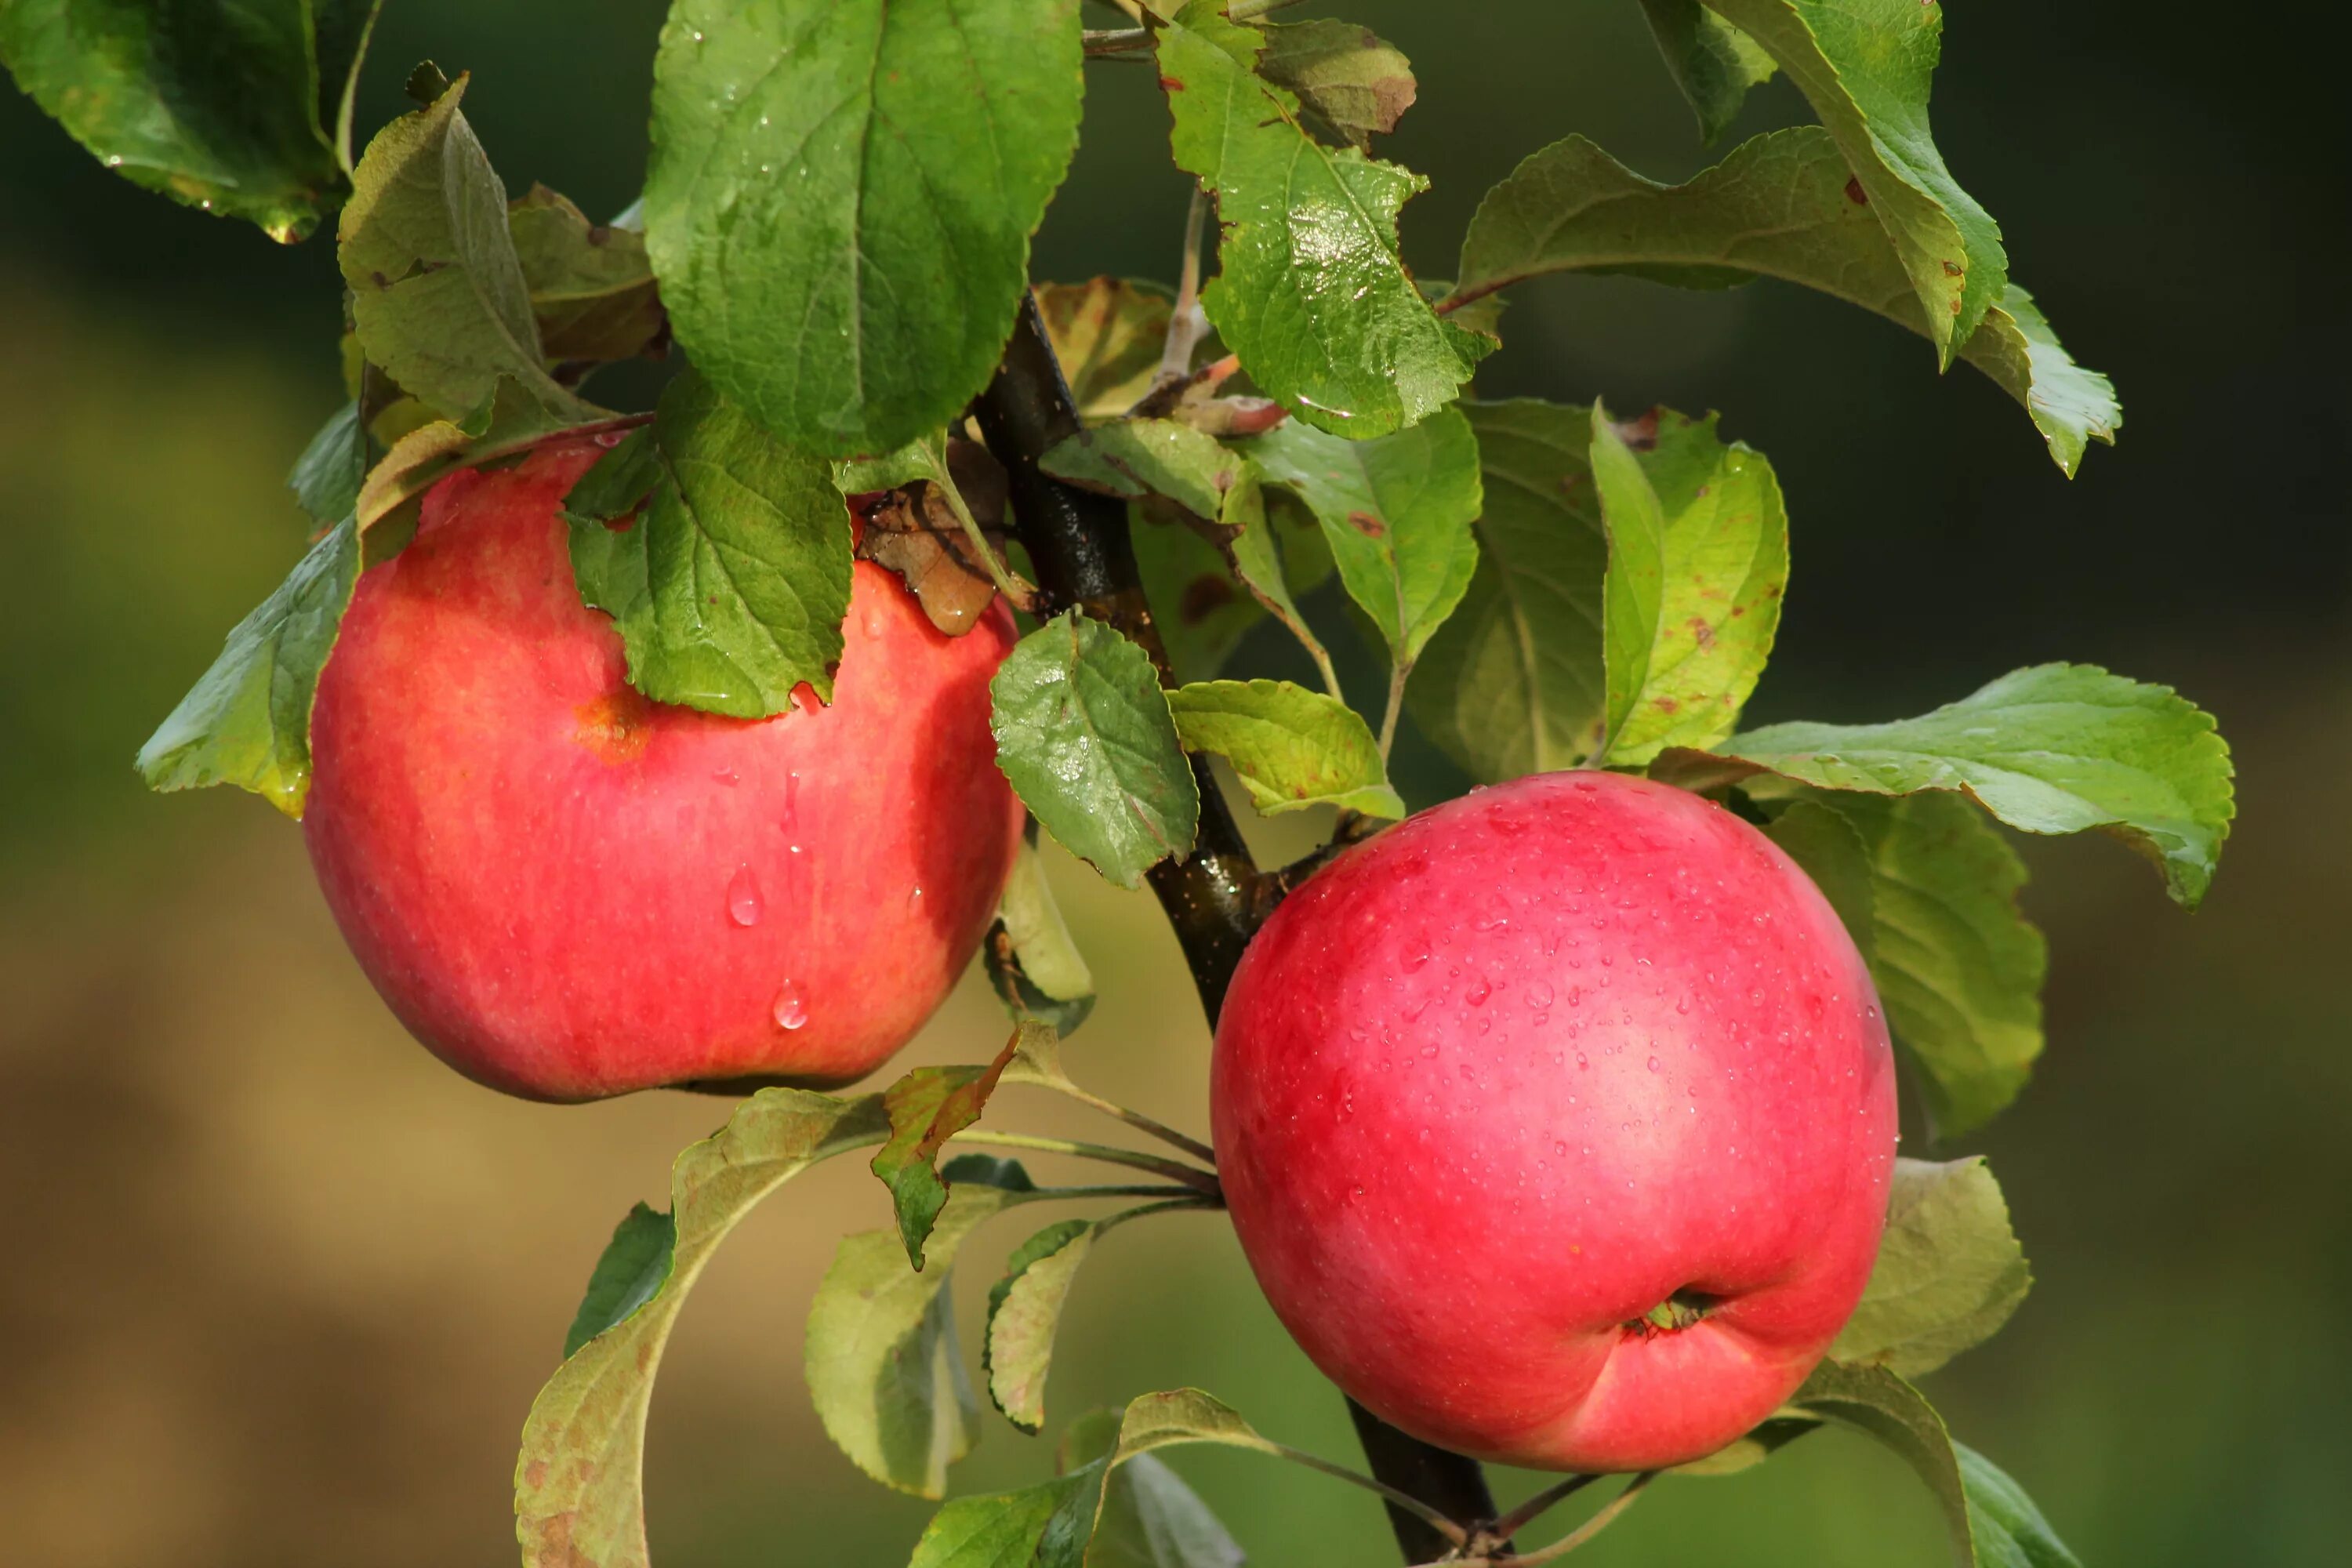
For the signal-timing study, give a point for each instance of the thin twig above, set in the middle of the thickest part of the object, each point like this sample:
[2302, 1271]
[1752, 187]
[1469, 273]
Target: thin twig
[1585, 1532]
[1519, 1518]
[1100, 42]
[1397, 673]
[1451, 1530]
[1192, 1176]
[1185, 320]
[1135, 1119]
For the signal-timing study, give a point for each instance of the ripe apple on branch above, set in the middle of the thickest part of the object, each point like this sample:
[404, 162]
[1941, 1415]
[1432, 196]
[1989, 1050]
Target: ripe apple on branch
[703, 746]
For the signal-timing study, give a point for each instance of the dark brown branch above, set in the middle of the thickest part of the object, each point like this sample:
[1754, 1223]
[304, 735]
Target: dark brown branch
[1216, 898]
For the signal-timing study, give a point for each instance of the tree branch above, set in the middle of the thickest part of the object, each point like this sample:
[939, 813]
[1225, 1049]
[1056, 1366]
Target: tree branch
[1216, 898]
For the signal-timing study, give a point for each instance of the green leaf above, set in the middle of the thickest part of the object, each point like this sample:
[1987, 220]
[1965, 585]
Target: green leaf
[1052, 1525]
[1201, 612]
[1779, 205]
[1511, 683]
[880, 1356]
[1150, 1518]
[1311, 292]
[2008, 1530]
[1040, 939]
[1136, 457]
[1948, 1275]
[1084, 732]
[1150, 1422]
[2054, 748]
[1713, 62]
[927, 1108]
[1340, 73]
[219, 104]
[634, 1266]
[1000, 1530]
[1024, 1308]
[1957, 966]
[437, 294]
[1633, 589]
[1292, 748]
[1107, 336]
[1247, 537]
[591, 288]
[1989, 1521]
[1724, 565]
[579, 1482]
[248, 721]
[1866, 67]
[841, 197]
[730, 588]
[1396, 512]
[511, 423]
[326, 477]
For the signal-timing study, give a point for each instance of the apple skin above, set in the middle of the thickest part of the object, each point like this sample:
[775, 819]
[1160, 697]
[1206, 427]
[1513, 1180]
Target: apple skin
[1494, 1084]
[567, 892]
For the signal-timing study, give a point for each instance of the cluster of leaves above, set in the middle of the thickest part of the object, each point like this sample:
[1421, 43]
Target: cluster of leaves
[836, 230]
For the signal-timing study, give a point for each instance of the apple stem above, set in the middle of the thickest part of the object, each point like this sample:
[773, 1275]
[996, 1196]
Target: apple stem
[1192, 1176]
[1215, 898]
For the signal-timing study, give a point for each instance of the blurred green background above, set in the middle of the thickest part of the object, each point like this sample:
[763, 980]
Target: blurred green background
[282, 1288]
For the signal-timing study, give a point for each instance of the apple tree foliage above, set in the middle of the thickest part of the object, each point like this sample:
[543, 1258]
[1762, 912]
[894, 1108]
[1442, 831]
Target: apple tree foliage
[834, 232]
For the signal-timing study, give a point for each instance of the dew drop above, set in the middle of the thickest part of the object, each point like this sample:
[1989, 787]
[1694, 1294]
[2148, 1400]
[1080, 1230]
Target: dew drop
[743, 901]
[608, 439]
[727, 776]
[1654, 1064]
[791, 1011]
[915, 899]
[1538, 995]
[1479, 991]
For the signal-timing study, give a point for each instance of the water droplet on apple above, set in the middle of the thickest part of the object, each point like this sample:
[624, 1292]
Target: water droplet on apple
[915, 899]
[744, 898]
[1479, 991]
[608, 439]
[727, 776]
[1654, 1064]
[1538, 995]
[791, 1011]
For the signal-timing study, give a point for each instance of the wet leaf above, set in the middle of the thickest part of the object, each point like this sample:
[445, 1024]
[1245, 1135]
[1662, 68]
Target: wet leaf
[730, 588]
[1311, 293]
[231, 106]
[869, 173]
[1084, 732]
[248, 721]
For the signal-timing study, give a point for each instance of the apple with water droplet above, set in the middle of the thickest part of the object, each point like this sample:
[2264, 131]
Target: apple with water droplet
[1557, 1124]
[568, 891]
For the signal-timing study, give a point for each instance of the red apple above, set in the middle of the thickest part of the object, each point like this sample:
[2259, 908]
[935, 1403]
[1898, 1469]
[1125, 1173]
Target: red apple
[1494, 1086]
[567, 892]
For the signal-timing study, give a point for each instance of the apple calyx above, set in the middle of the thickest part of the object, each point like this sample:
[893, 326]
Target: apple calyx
[1676, 1313]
